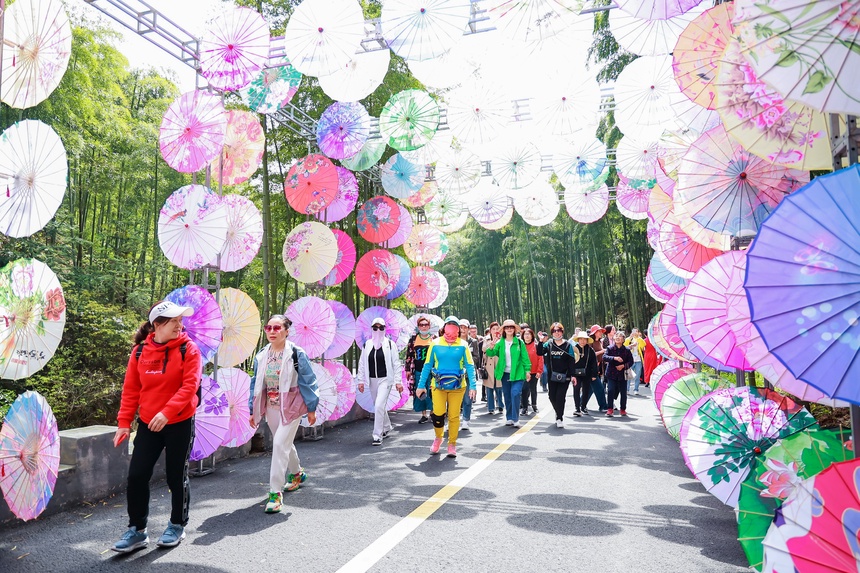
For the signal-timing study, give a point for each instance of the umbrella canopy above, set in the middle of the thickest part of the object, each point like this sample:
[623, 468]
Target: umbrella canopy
[206, 325]
[586, 206]
[401, 178]
[515, 163]
[344, 334]
[345, 261]
[409, 120]
[37, 45]
[458, 171]
[657, 9]
[192, 131]
[343, 129]
[377, 273]
[313, 327]
[310, 252]
[211, 420]
[344, 202]
[456, 65]
[423, 196]
[531, 21]
[392, 325]
[581, 161]
[323, 35]
[643, 97]
[436, 322]
[538, 204]
[243, 149]
[328, 395]
[29, 455]
[682, 255]
[660, 201]
[423, 243]
[478, 114]
[237, 389]
[34, 171]
[488, 202]
[345, 389]
[234, 47]
[667, 326]
[664, 375]
[423, 286]
[192, 226]
[244, 233]
[403, 282]
[632, 202]
[444, 249]
[358, 78]
[365, 399]
[501, 222]
[697, 54]
[272, 88]
[638, 158]
[445, 208]
[443, 291]
[240, 318]
[424, 29]
[370, 153]
[430, 152]
[403, 231]
[660, 282]
[683, 394]
[568, 105]
[312, 184]
[646, 36]
[656, 337]
[378, 219]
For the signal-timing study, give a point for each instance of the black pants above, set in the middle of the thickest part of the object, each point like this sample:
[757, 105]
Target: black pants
[617, 387]
[558, 397]
[529, 388]
[176, 440]
[581, 393]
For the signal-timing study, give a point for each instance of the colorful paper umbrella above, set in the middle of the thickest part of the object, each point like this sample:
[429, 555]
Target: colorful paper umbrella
[586, 206]
[668, 325]
[37, 45]
[345, 261]
[681, 254]
[423, 287]
[34, 171]
[692, 347]
[775, 475]
[344, 334]
[313, 325]
[488, 202]
[444, 249]
[632, 202]
[403, 282]
[458, 171]
[237, 388]
[423, 196]
[29, 455]
[648, 36]
[403, 231]
[365, 399]
[424, 29]
[409, 120]
[445, 208]
[378, 219]
[323, 35]
[643, 94]
[401, 178]
[443, 291]
[515, 164]
[698, 52]
[365, 319]
[192, 226]
[377, 273]
[660, 282]
[192, 131]
[500, 223]
[568, 105]
[656, 338]
[580, 162]
[661, 201]
[370, 153]
[657, 9]
[344, 202]
[327, 389]
[682, 394]
[211, 420]
[310, 252]
[312, 184]
[538, 204]
[725, 431]
[243, 149]
[343, 129]
[477, 114]
[652, 234]
[272, 88]
[234, 47]
[424, 243]
[345, 389]
[206, 325]
[801, 283]
[664, 376]
[244, 233]
[358, 78]
[241, 320]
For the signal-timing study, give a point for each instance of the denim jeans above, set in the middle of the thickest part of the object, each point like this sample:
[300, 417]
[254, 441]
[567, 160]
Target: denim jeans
[544, 378]
[598, 390]
[467, 406]
[616, 388]
[637, 368]
[494, 396]
[513, 390]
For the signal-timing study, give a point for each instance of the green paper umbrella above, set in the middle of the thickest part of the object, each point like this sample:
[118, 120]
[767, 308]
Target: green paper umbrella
[369, 154]
[682, 394]
[409, 120]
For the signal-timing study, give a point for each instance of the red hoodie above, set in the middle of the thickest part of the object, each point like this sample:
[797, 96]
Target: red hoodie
[154, 386]
[537, 361]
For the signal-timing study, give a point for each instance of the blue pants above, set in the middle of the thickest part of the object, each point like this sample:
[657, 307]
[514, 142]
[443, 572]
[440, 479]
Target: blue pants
[637, 368]
[544, 378]
[597, 390]
[493, 395]
[467, 406]
[513, 391]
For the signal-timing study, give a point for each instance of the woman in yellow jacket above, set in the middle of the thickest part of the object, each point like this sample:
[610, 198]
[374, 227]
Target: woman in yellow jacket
[512, 368]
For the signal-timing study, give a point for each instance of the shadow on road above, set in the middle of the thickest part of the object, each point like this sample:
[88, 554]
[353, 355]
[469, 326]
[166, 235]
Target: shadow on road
[245, 521]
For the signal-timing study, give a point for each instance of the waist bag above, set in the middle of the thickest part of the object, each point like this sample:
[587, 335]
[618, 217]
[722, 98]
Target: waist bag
[448, 381]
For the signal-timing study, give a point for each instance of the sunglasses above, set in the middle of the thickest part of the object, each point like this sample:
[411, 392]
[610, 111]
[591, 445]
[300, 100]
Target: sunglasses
[273, 328]
[507, 327]
[557, 330]
[420, 324]
[377, 327]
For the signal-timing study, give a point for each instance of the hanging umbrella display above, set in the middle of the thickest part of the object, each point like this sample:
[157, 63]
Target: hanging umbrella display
[660, 282]
[632, 202]
[401, 178]
[378, 219]
[29, 455]
[343, 129]
[531, 21]
[313, 325]
[586, 206]
[515, 164]
[344, 262]
[423, 286]
[344, 330]
[192, 226]
[358, 78]
[192, 131]
[501, 222]
[682, 255]
[34, 169]
[272, 88]
[657, 9]
[323, 35]
[776, 473]
[237, 389]
[240, 318]
[667, 326]
[409, 120]
[725, 431]
[370, 153]
[697, 54]
[443, 293]
[660, 202]
[637, 157]
[243, 149]
[424, 29]
[430, 152]
[581, 162]
[682, 394]
[649, 36]
[32, 317]
[234, 47]
[344, 202]
[206, 325]
[311, 184]
[310, 252]
[211, 420]
[458, 171]
[445, 208]
[377, 273]
[403, 282]
[488, 202]
[538, 204]
[423, 196]
[643, 94]
[37, 45]
[666, 374]
[424, 243]
[568, 105]
[327, 389]
[345, 389]
[477, 114]
[244, 233]
[698, 232]
[403, 231]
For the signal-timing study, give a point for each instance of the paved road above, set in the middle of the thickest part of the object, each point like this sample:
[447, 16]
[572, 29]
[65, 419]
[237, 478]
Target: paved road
[603, 495]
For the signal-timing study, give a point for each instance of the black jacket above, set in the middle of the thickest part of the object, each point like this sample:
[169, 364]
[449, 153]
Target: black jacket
[587, 360]
[560, 357]
[613, 373]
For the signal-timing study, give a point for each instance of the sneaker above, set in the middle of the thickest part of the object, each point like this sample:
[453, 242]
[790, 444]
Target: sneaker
[376, 441]
[609, 413]
[174, 534]
[559, 423]
[274, 503]
[623, 412]
[132, 540]
[500, 410]
[385, 433]
[464, 425]
[294, 481]
[534, 410]
[524, 412]
[576, 413]
[509, 423]
[423, 420]
[437, 443]
[452, 451]
[518, 424]
[636, 393]
[584, 412]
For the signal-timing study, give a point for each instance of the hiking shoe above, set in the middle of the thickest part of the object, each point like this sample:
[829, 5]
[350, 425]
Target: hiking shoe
[452, 451]
[559, 423]
[132, 540]
[464, 425]
[173, 535]
[623, 412]
[609, 412]
[434, 448]
[423, 420]
[534, 410]
[576, 413]
[376, 441]
[274, 503]
[295, 481]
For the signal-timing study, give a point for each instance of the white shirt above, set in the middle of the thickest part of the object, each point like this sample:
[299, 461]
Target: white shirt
[508, 344]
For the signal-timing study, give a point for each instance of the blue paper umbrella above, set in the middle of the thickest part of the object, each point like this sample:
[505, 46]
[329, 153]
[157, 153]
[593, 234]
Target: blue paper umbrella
[401, 178]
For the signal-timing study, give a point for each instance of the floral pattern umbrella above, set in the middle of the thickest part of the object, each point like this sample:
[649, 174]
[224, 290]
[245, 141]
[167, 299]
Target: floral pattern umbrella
[237, 389]
[244, 233]
[586, 206]
[311, 184]
[240, 318]
[403, 282]
[370, 153]
[358, 78]
[423, 286]
[423, 196]
[211, 420]
[378, 219]
[424, 29]
[272, 88]
[205, 327]
[192, 131]
[403, 231]
[310, 252]
[660, 282]
[313, 327]
[345, 389]
[581, 162]
[344, 333]
[443, 291]
[192, 226]
[344, 202]
[29, 455]
[444, 249]
[698, 52]
[516, 164]
[632, 202]
[682, 394]
[424, 243]
[660, 201]
[323, 35]
[664, 375]
[458, 171]
[345, 261]
[35, 170]
[409, 120]
[401, 178]
[377, 273]
[243, 149]
[488, 202]
[234, 47]
[343, 129]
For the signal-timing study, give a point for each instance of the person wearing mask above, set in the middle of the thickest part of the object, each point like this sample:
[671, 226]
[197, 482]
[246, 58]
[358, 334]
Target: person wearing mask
[585, 370]
[636, 344]
[379, 368]
[597, 388]
[492, 383]
[530, 387]
[449, 373]
[511, 368]
[617, 359]
[473, 347]
[160, 389]
[478, 357]
[559, 360]
[416, 354]
[283, 389]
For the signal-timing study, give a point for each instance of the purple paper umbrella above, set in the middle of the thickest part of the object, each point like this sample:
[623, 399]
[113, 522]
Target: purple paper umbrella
[395, 399]
[342, 130]
[313, 325]
[660, 282]
[192, 131]
[397, 326]
[345, 389]
[344, 202]
[403, 231]
[205, 325]
[667, 326]
[234, 47]
[345, 329]
[632, 201]
[686, 339]
[211, 421]
[327, 391]
[403, 282]
[657, 9]
[586, 206]
[403, 326]
[237, 388]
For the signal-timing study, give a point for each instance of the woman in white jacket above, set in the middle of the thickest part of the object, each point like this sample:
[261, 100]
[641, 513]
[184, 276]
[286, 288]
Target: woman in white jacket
[380, 368]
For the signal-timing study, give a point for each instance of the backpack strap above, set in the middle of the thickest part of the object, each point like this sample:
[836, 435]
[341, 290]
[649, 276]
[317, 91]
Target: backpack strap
[138, 351]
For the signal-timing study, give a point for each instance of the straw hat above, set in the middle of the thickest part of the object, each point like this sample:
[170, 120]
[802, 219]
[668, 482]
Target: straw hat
[582, 334]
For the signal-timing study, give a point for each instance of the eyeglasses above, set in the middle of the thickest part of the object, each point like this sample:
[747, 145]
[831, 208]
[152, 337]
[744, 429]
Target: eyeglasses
[273, 328]
[377, 327]
[557, 330]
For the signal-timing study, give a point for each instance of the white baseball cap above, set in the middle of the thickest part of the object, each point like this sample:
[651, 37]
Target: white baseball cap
[464, 322]
[378, 320]
[169, 310]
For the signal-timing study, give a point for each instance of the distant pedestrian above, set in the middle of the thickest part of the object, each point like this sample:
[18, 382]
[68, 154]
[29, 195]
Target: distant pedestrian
[492, 383]
[617, 359]
[511, 368]
[379, 368]
[636, 344]
[478, 358]
[559, 359]
[474, 347]
[585, 371]
[597, 388]
[530, 387]
[416, 354]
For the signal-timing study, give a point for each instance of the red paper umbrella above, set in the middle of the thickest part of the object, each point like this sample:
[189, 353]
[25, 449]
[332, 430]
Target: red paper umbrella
[345, 259]
[377, 273]
[423, 287]
[378, 219]
[681, 254]
[312, 184]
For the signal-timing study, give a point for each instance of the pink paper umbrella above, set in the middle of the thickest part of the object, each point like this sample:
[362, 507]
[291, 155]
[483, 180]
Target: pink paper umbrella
[313, 325]
[423, 287]
[234, 47]
[377, 273]
[311, 184]
[327, 391]
[211, 421]
[237, 388]
[403, 231]
[344, 202]
[672, 372]
[403, 282]
[243, 149]
[681, 254]
[364, 320]
[192, 131]
[378, 219]
[667, 325]
[632, 201]
[345, 389]
[584, 205]
[395, 399]
[402, 327]
[192, 226]
[345, 330]
[345, 260]
[244, 232]
[343, 129]
[205, 325]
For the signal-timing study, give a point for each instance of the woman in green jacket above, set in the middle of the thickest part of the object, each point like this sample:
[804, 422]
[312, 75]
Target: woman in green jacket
[511, 369]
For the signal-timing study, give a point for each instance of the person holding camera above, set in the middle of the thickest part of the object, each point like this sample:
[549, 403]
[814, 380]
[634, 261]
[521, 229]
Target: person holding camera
[560, 367]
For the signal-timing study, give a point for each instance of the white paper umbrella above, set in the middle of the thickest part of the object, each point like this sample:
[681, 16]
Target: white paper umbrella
[488, 202]
[192, 226]
[33, 172]
[429, 153]
[424, 29]
[531, 20]
[454, 66]
[476, 114]
[657, 9]
[565, 107]
[452, 227]
[358, 78]
[586, 206]
[538, 205]
[442, 296]
[515, 163]
[244, 233]
[649, 37]
[643, 96]
[327, 388]
[323, 35]
[502, 222]
[457, 171]
[401, 178]
[580, 161]
[445, 208]
[241, 322]
[234, 47]
[37, 44]
[637, 158]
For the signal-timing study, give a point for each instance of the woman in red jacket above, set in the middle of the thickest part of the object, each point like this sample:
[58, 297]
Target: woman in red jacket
[160, 387]
[535, 372]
